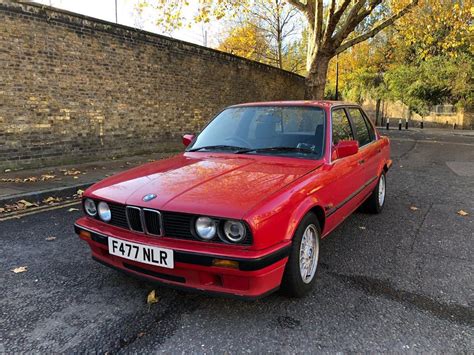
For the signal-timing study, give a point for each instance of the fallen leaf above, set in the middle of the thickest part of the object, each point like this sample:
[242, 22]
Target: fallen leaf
[51, 200]
[152, 298]
[50, 238]
[463, 213]
[47, 177]
[139, 335]
[413, 208]
[75, 177]
[26, 204]
[362, 227]
[72, 209]
[72, 172]
[20, 269]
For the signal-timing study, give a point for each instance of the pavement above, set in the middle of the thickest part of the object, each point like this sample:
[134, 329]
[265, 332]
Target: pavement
[398, 281]
[63, 181]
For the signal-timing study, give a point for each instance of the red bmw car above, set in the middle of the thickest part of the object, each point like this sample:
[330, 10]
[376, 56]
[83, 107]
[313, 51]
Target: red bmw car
[242, 211]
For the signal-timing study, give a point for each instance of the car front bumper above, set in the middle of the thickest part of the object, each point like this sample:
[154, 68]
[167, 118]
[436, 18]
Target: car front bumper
[258, 274]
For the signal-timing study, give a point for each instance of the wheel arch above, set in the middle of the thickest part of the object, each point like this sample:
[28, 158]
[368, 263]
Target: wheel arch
[320, 214]
[316, 208]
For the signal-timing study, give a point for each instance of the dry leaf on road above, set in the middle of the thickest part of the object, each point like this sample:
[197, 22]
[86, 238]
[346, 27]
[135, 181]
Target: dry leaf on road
[72, 172]
[51, 200]
[362, 227]
[50, 238]
[413, 208]
[25, 204]
[463, 213]
[20, 269]
[47, 177]
[152, 297]
[72, 209]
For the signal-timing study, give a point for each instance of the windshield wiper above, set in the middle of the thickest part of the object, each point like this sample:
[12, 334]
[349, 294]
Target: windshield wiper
[222, 146]
[277, 149]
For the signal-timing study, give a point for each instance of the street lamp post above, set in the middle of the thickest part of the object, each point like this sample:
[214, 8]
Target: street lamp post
[337, 77]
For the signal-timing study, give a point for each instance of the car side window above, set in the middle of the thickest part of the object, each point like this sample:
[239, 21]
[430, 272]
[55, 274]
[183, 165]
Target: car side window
[341, 127]
[362, 131]
[369, 126]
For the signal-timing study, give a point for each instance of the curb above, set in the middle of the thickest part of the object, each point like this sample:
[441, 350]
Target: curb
[38, 196]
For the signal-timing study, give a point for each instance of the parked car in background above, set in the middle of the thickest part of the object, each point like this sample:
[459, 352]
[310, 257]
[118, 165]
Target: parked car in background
[243, 210]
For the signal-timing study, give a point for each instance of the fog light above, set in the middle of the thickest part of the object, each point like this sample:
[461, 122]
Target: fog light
[225, 263]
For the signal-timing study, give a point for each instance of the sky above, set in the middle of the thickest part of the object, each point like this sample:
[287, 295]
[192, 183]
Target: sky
[129, 16]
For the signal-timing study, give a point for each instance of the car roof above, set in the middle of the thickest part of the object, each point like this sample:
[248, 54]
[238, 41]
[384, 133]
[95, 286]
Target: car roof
[314, 103]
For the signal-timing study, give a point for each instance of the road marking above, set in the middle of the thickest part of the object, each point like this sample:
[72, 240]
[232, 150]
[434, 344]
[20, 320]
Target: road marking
[38, 210]
[427, 141]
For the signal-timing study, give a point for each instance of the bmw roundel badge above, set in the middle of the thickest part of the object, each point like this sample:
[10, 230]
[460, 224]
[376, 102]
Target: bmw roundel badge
[149, 197]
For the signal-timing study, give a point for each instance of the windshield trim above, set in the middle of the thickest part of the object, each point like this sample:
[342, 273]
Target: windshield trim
[317, 157]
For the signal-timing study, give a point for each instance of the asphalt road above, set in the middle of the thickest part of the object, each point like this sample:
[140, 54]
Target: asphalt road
[399, 281]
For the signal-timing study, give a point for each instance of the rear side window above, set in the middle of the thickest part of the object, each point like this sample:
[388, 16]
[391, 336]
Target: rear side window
[361, 126]
[369, 126]
[341, 127]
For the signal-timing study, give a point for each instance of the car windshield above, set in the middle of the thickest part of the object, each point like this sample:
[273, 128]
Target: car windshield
[296, 131]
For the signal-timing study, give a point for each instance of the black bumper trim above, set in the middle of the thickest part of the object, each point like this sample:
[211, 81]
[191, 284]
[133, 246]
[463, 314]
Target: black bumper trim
[245, 264]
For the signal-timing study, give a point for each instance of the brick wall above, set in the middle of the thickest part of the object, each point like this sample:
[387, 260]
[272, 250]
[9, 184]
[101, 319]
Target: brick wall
[74, 88]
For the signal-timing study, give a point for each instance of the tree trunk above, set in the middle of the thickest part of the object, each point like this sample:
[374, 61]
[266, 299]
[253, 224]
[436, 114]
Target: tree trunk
[316, 78]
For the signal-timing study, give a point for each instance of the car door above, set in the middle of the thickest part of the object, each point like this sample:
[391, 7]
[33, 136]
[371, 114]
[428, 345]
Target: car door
[368, 149]
[344, 173]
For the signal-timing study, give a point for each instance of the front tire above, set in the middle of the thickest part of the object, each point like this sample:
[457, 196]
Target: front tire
[376, 201]
[302, 266]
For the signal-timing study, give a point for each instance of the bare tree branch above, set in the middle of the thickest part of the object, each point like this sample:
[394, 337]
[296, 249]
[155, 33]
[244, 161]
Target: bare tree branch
[355, 17]
[298, 4]
[334, 20]
[319, 21]
[376, 29]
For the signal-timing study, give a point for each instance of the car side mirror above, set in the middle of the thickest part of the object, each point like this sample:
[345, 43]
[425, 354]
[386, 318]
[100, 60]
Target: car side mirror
[187, 139]
[345, 149]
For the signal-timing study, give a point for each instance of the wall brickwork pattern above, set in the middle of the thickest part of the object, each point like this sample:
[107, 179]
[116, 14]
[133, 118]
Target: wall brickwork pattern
[74, 88]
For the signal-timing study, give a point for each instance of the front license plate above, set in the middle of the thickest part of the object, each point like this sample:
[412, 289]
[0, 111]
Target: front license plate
[142, 253]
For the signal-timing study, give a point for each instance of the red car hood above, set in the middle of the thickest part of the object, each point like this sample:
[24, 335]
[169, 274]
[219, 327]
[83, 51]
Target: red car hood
[211, 184]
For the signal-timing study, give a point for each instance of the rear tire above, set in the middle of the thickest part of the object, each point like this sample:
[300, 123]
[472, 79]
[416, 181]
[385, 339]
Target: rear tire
[376, 201]
[302, 266]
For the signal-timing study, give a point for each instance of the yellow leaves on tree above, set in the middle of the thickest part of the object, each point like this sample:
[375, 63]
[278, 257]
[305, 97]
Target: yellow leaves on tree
[246, 41]
[438, 27]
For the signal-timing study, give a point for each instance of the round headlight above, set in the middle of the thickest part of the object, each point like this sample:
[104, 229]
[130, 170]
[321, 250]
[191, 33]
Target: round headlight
[206, 228]
[90, 208]
[104, 211]
[234, 231]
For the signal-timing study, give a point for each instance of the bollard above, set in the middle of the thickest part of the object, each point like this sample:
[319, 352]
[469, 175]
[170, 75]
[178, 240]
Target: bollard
[421, 125]
[406, 123]
[399, 124]
[388, 124]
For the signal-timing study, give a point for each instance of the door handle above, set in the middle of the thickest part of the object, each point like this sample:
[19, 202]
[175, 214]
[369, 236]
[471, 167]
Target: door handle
[362, 161]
